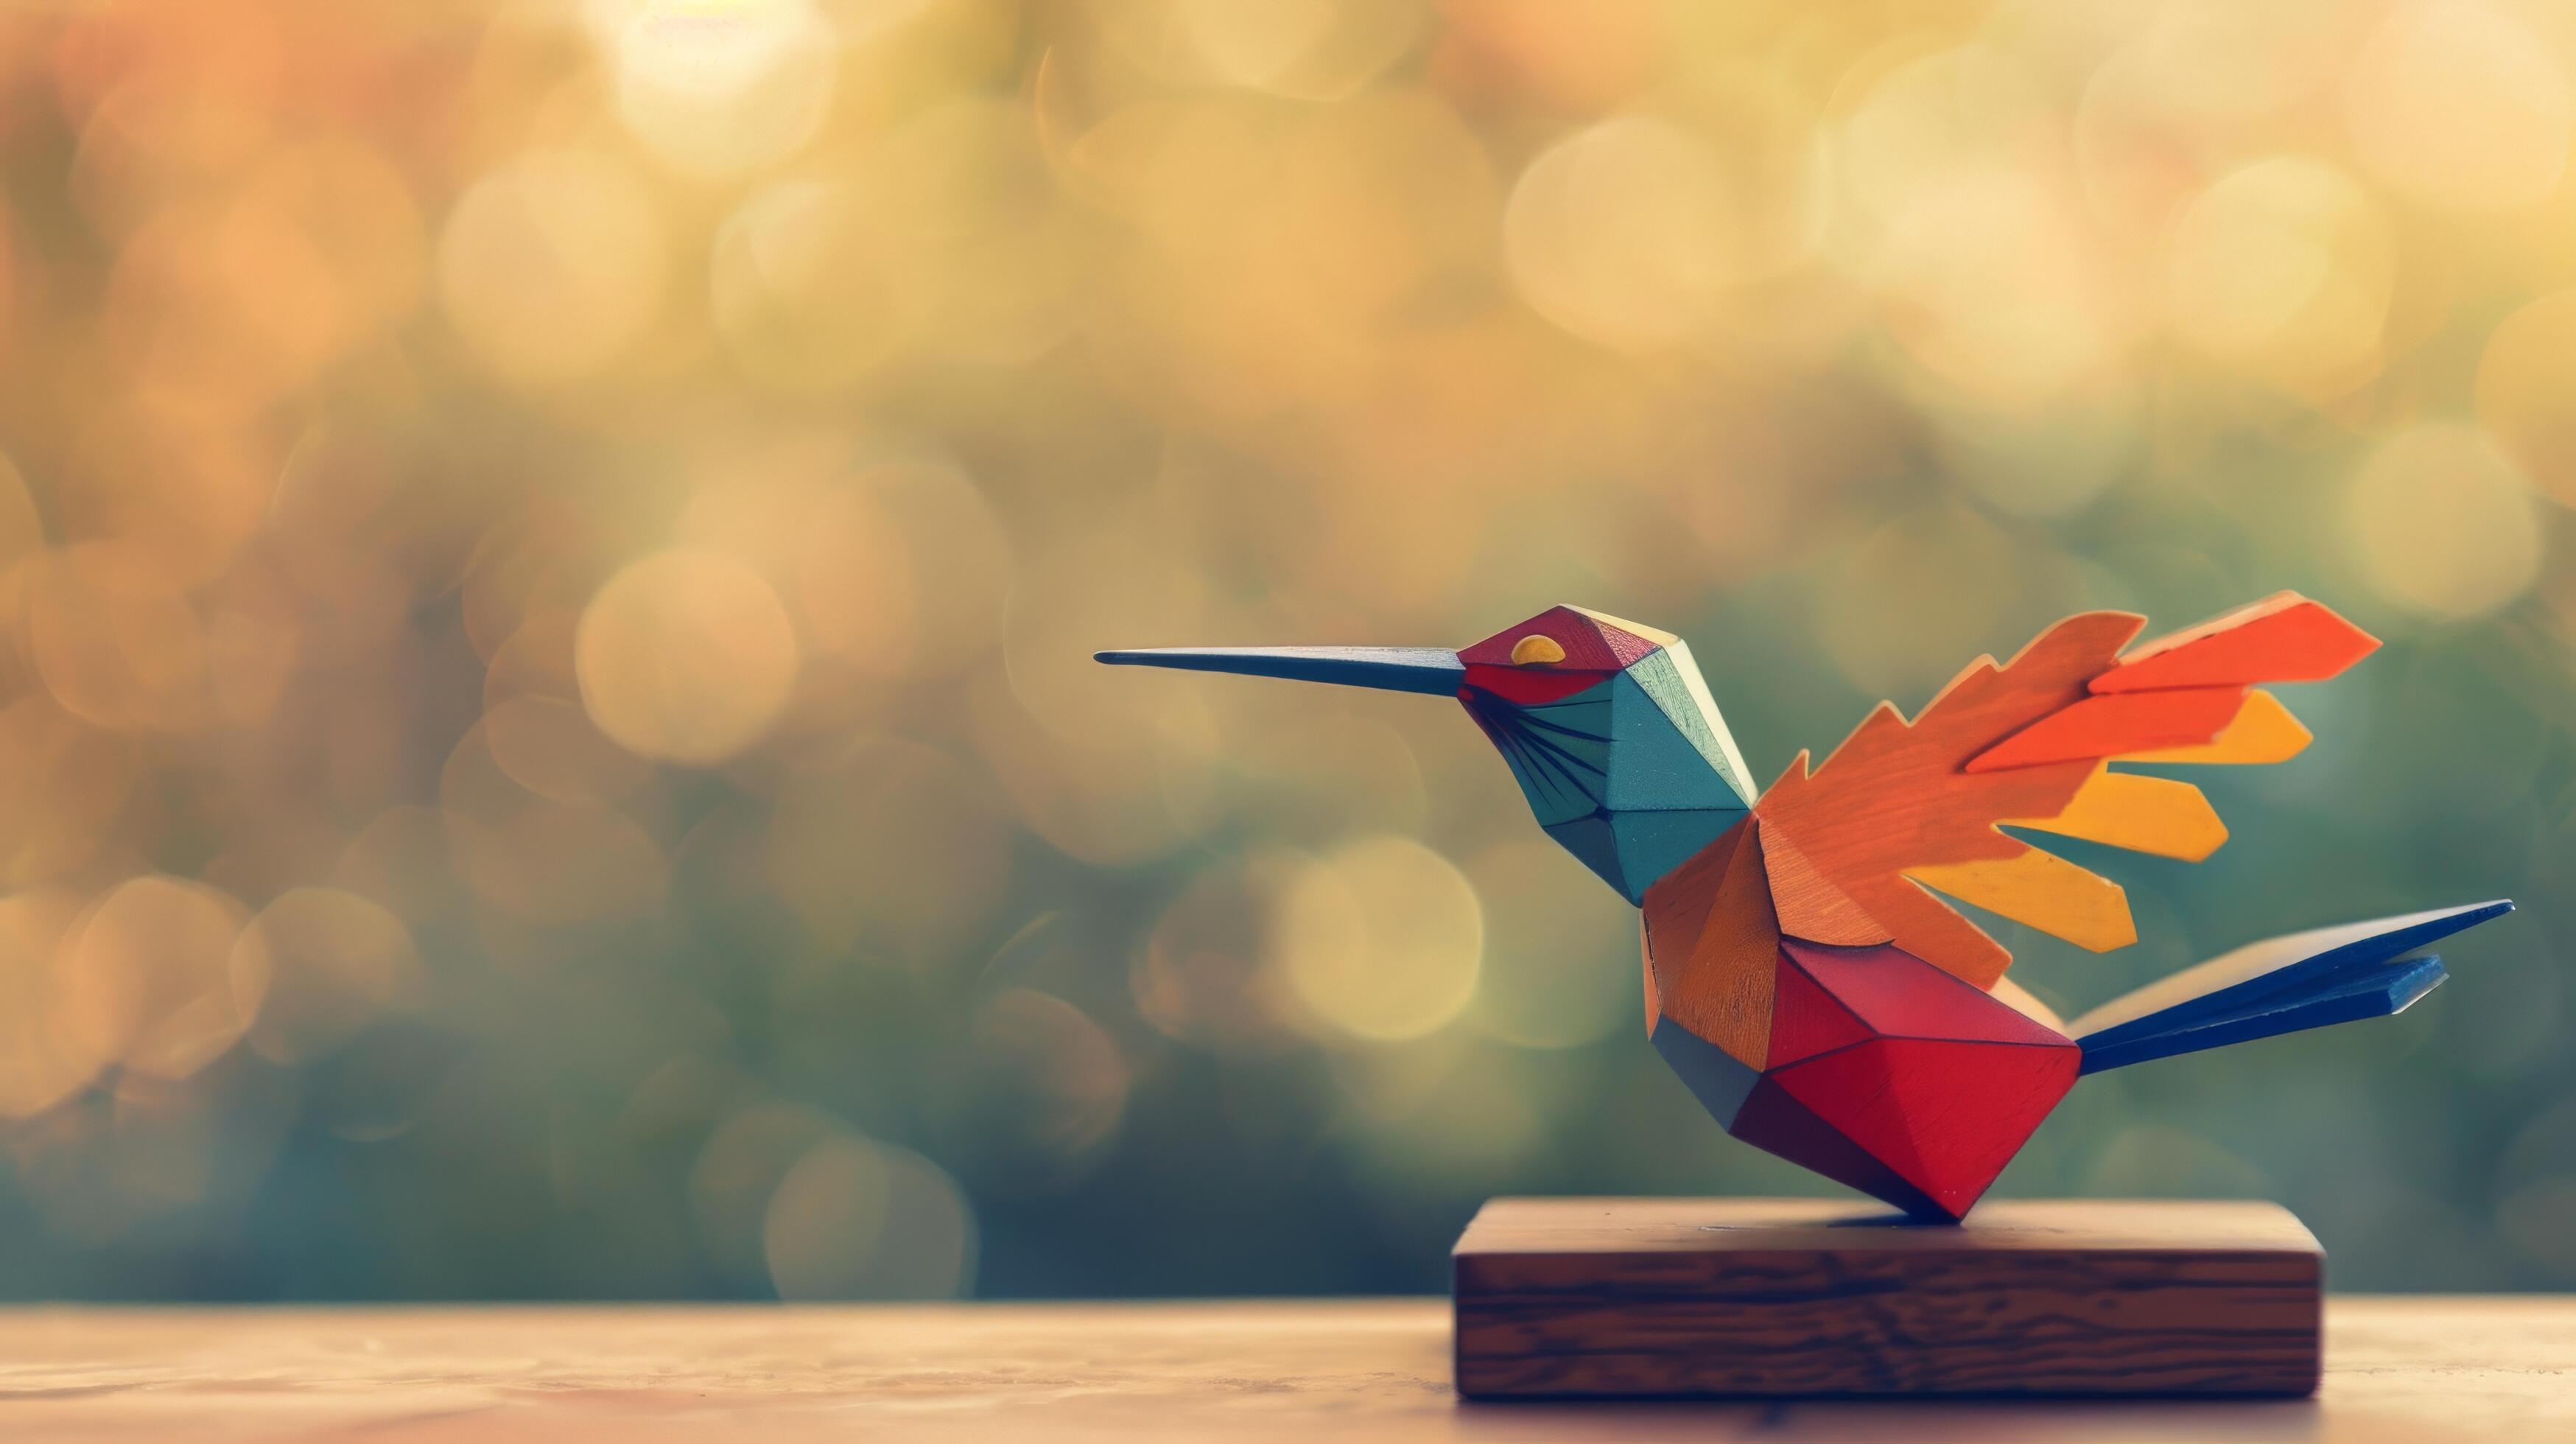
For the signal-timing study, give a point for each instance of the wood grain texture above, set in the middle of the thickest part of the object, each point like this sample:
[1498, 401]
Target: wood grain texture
[2282, 638]
[1805, 1019]
[2042, 890]
[1902, 803]
[2398, 1371]
[1896, 794]
[1904, 997]
[2115, 725]
[2154, 815]
[2263, 731]
[1713, 946]
[1943, 1114]
[1806, 904]
[1659, 1297]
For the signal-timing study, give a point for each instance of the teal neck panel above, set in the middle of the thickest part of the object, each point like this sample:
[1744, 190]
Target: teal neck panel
[1632, 776]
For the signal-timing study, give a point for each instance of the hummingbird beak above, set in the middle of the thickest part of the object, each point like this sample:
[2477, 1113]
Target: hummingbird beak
[1434, 671]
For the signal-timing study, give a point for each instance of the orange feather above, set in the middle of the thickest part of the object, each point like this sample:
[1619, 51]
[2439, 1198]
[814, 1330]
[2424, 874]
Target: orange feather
[1898, 795]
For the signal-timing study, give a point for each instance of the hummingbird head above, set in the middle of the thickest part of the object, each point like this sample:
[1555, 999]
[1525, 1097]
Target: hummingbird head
[1605, 724]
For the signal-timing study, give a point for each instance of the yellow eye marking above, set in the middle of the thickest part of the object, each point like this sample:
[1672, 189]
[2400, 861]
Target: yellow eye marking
[1537, 650]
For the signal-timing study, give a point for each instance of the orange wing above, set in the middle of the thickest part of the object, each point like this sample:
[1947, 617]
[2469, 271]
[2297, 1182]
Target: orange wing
[1902, 807]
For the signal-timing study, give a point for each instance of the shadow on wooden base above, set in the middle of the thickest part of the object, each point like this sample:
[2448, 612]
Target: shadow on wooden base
[1655, 1297]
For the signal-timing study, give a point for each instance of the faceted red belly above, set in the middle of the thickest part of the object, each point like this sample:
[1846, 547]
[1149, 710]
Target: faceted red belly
[1867, 1064]
[1885, 1073]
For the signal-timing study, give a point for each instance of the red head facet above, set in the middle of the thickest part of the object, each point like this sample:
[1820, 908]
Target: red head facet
[1514, 663]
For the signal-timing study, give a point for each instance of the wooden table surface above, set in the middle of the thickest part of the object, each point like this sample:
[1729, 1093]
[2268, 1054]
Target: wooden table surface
[2396, 1370]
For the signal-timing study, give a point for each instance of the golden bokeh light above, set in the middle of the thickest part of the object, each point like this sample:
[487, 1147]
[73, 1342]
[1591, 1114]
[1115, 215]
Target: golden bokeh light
[41, 1063]
[189, 109]
[539, 858]
[326, 963]
[1118, 794]
[858, 1220]
[845, 570]
[549, 746]
[2286, 268]
[117, 644]
[959, 563]
[178, 490]
[1380, 939]
[686, 655]
[805, 288]
[2460, 104]
[1625, 233]
[716, 87]
[21, 528]
[318, 249]
[736, 1171]
[63, 786]
[1372, 200]
[1552, 58]
[2213, 62]
[1987, 287]
[1305, 49]
[1928, 123]
[550, 557]
[253, 644]
[553, 264]
[2526, 391]
[987, 255]
[2440, 522]
[144, 977]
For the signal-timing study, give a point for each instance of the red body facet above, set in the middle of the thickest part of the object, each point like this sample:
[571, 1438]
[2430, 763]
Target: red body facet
[1865, 1064]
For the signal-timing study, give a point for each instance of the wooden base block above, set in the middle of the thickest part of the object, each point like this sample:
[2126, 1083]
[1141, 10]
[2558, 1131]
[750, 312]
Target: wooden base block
[1634, 1297]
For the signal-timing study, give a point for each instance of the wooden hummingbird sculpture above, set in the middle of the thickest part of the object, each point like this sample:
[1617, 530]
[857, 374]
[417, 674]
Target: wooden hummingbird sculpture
[1801, 976]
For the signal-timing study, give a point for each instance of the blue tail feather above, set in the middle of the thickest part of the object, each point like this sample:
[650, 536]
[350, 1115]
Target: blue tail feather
[2386, 989]
[2281, 985]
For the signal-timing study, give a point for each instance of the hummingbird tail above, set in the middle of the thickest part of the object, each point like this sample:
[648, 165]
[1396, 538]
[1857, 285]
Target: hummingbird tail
[2281, 985]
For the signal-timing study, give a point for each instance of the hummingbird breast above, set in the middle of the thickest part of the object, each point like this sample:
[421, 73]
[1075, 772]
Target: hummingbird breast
[1859, 1061]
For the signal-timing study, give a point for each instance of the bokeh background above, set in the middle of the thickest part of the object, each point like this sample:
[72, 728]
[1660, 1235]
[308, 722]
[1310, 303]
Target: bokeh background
[547, 744]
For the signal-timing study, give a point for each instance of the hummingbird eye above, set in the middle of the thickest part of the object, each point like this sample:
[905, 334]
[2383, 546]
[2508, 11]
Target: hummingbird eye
[1537, 650]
